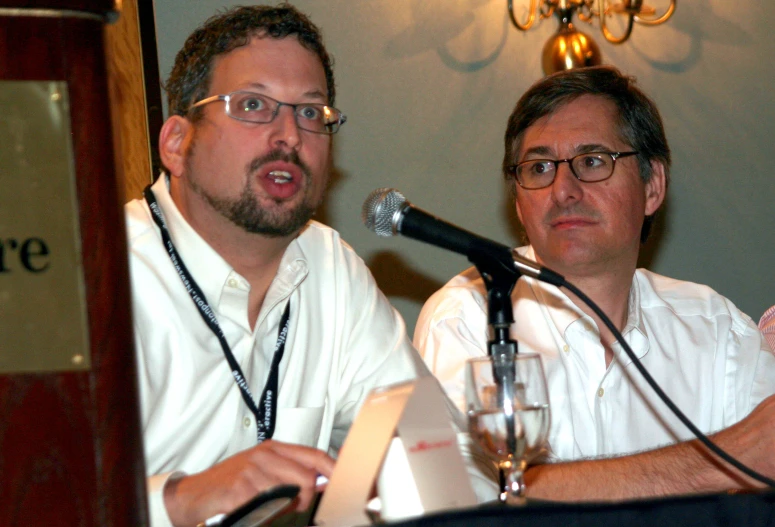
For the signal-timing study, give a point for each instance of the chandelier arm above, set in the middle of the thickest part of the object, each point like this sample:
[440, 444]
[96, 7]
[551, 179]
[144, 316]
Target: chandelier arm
[610, 37]
[549, 10]
[530, 19]
[587, 9]
[585, 15]
[661, 19]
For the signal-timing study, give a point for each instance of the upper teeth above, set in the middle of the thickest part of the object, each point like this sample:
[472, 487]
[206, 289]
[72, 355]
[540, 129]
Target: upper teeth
[281, 176]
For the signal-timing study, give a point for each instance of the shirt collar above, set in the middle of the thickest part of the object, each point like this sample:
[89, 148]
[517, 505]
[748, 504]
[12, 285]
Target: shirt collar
[635, 329]
[634, 312]
[206, 266]
[564, 312]
[560, 308]
[292, 271]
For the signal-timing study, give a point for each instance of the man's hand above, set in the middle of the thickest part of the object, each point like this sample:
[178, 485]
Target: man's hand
[234, 481]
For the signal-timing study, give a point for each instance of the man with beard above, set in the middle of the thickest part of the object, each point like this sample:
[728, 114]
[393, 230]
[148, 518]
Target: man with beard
[258, 331]
[586, 153]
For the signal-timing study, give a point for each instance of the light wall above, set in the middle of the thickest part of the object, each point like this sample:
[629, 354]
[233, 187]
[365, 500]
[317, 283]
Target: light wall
[427, 86]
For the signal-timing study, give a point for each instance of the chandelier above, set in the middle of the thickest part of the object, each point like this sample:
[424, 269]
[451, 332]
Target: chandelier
[570, 48]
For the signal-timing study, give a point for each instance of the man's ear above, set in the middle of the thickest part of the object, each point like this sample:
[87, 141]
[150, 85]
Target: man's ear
[655, 188]
[174, 140]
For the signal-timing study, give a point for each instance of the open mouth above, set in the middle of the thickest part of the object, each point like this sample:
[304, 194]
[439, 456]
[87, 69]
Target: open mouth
[280, 177]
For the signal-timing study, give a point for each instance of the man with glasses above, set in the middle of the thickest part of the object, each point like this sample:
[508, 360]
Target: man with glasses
[589, 161]
[258, 331]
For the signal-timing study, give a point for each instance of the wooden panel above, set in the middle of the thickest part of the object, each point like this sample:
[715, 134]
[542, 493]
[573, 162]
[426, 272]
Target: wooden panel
[100, 7]
[128, 101]
[153, 89]
[70, 443]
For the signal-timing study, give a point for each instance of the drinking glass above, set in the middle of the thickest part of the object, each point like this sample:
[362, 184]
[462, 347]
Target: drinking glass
[508, 414]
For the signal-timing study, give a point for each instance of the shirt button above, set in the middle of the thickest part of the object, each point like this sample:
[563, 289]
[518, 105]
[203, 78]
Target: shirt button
[232, 282]
[246, 422]
[600, 392]
[566, 348]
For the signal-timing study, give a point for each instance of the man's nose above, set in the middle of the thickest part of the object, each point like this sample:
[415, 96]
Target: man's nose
[285, 129]
[566, 186]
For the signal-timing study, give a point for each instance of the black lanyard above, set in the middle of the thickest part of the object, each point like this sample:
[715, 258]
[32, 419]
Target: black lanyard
[266, 411]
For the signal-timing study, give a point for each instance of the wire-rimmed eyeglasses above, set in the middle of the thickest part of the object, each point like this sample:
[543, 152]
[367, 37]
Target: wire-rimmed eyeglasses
[258, 108]
[589, 167]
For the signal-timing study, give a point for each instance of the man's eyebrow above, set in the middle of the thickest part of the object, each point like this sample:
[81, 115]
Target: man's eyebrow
[545, 152]
[254, 86]
[310, 94]
[315, 94]
[593, 147]
[537, 150]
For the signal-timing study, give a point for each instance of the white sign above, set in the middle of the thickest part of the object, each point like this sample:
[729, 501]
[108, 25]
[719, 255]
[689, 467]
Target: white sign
[423, 470]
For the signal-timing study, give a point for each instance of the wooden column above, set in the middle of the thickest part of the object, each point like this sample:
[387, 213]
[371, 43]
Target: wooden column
[135, 95]
[70, 440]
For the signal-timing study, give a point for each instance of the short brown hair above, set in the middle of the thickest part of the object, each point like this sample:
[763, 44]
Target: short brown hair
[190, 77]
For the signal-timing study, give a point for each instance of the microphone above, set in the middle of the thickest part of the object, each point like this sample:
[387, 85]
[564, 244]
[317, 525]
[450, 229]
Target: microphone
[386, 212]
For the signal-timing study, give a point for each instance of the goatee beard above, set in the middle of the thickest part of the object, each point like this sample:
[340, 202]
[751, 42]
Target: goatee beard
[246, 212]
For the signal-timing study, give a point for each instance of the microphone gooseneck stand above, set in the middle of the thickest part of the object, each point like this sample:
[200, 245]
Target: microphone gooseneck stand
[500, 277]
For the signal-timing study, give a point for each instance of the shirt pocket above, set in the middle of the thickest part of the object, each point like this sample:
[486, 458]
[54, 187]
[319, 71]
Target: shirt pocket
[300, 426]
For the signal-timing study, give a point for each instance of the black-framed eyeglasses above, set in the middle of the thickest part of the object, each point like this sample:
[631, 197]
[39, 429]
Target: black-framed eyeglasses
[589, 167]
[258, 108]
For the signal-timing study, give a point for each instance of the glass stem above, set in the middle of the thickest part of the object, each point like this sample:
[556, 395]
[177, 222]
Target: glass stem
[513, 487]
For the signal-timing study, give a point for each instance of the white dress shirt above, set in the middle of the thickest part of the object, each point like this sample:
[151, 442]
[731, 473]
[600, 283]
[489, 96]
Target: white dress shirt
[344, 339]
[705, 354]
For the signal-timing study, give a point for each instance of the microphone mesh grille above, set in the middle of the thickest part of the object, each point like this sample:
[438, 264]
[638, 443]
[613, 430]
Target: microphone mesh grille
[380, 208]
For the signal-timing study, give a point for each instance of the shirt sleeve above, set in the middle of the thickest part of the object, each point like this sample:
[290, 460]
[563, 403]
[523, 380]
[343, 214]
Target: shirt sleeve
[156, 508]
[764, 376]
[450, 330]
[752, 368]
[375, 350]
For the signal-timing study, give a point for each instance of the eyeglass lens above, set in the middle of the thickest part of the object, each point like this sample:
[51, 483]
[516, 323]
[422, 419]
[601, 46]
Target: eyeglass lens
[537, 173]
[256, 108]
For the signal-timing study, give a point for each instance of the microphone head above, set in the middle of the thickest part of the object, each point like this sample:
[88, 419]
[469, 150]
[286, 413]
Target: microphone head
[380, 208]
